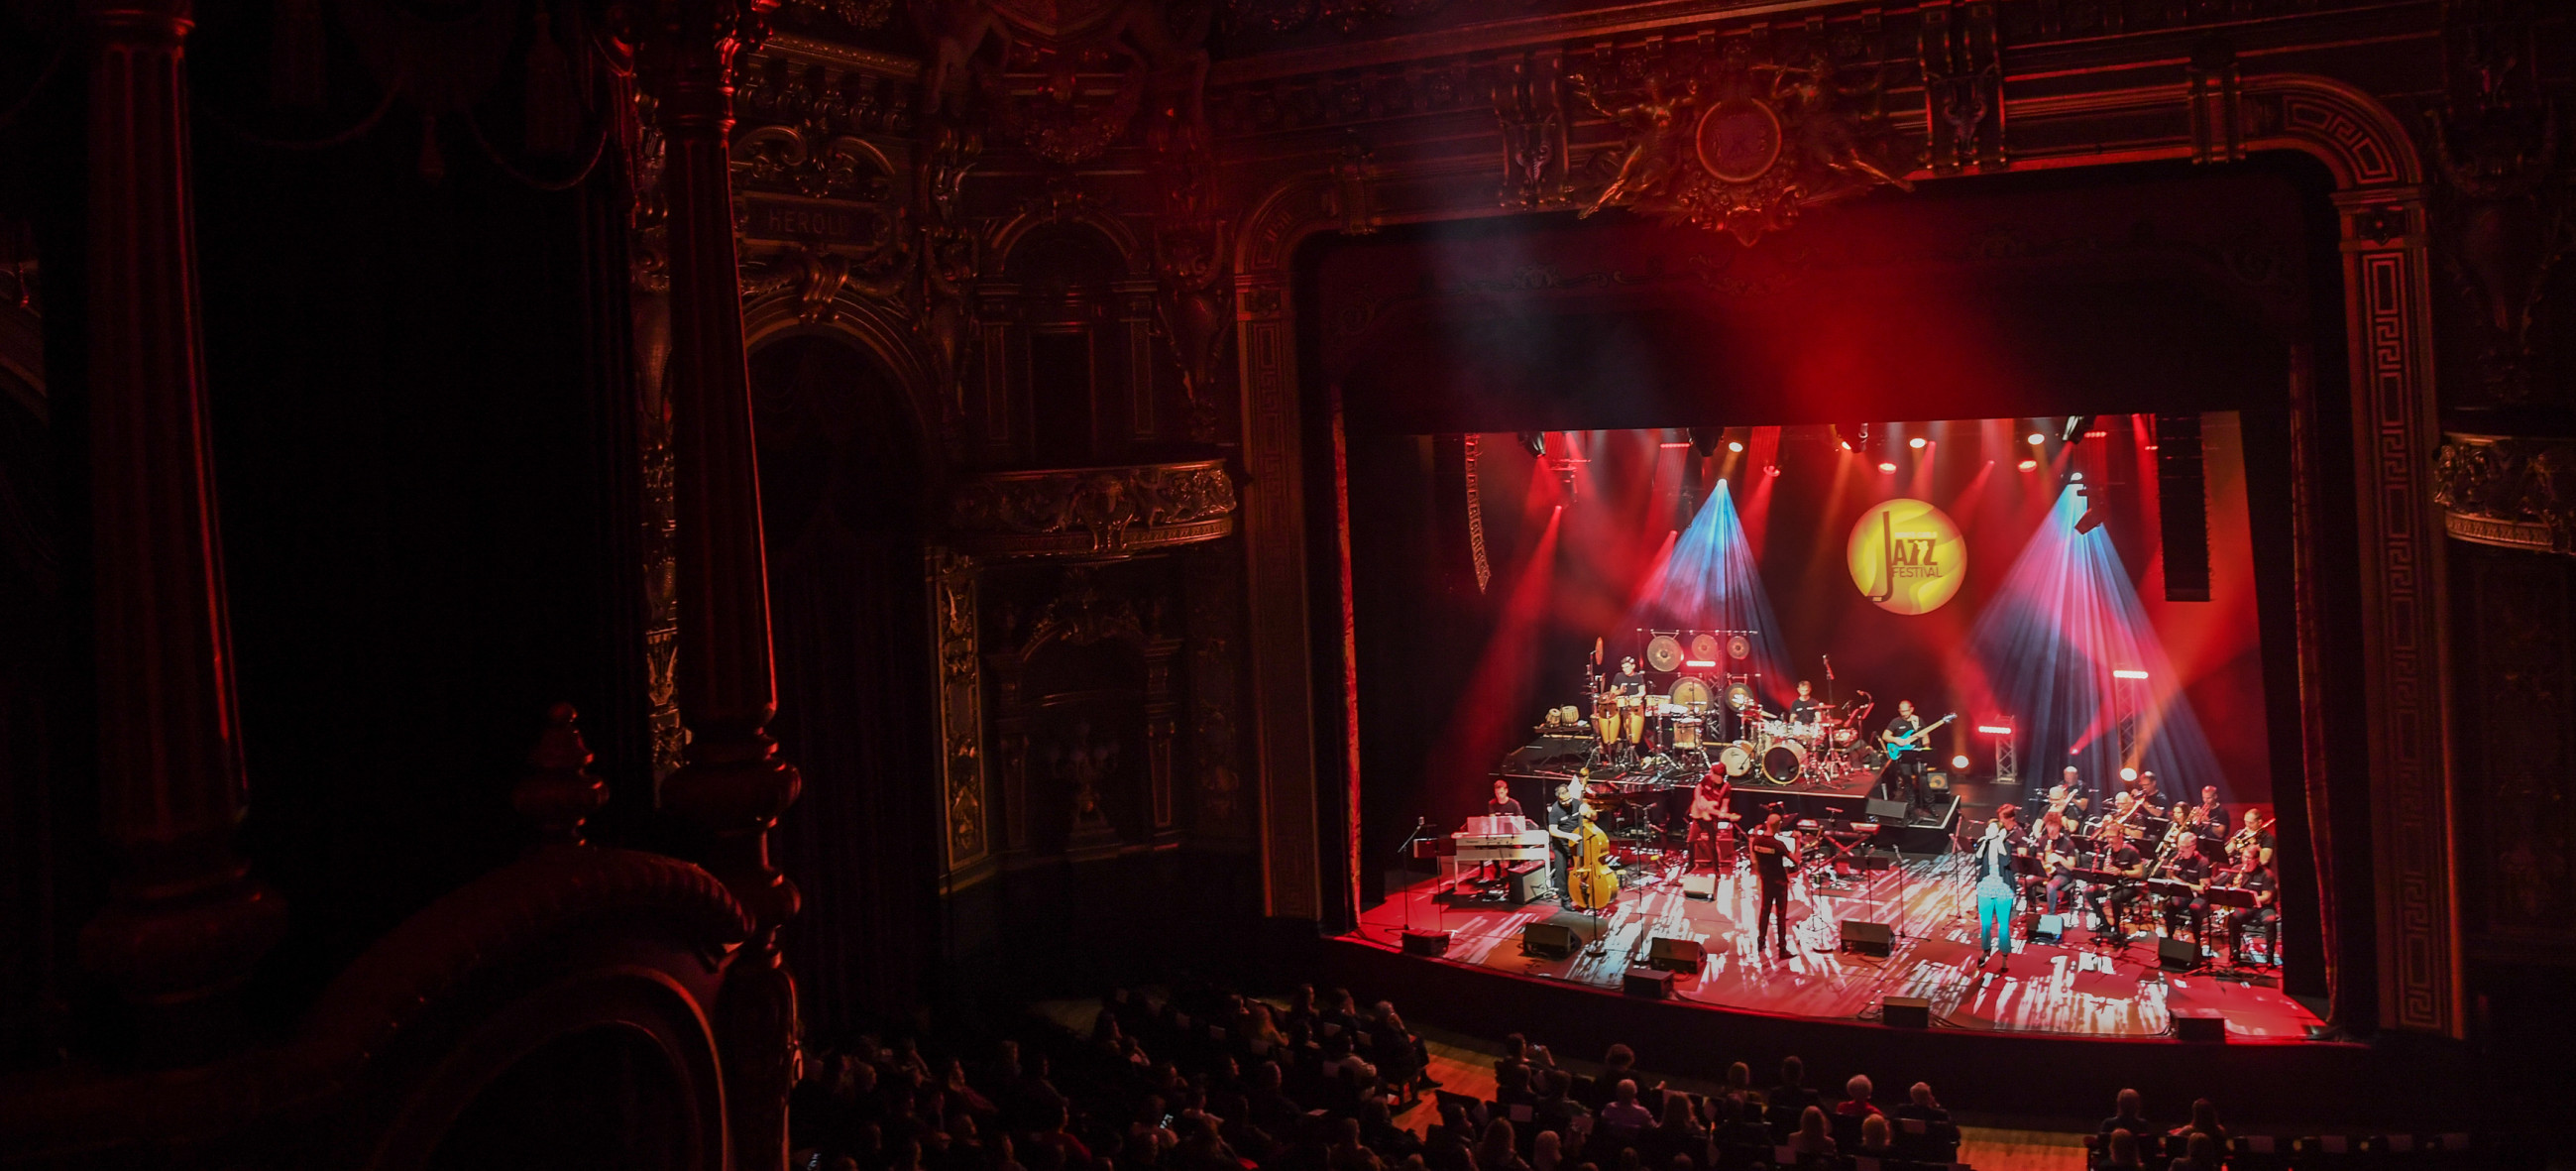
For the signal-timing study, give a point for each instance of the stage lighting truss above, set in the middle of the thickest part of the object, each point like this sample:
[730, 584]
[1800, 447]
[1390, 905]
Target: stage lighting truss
[2007, 765]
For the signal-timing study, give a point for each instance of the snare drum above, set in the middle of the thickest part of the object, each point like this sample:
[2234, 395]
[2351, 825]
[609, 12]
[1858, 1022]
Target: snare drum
[1736, 759]
[1685, 732]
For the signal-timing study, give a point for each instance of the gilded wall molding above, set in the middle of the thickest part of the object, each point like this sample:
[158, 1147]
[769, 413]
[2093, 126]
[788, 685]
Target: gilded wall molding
[966, 837]
[1093, 512]
[2510, 492]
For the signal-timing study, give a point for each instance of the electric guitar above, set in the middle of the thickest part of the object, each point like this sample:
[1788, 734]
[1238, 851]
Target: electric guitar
[1898, 746]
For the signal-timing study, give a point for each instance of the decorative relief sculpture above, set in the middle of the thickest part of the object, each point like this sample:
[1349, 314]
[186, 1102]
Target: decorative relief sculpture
[2519, 493]
[1738, 144]
[2504, 219]
[1155, 48]
[1093, 511]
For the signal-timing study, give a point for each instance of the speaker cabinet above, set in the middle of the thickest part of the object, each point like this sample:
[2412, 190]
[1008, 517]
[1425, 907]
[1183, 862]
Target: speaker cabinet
[1905, 1012]
[2205, 1027]
[2175, 955]
[1675, 955]
[1426, 943]
[1651, 983]
[1888, 812]
[2048, 928]
[1869, 939]
[1700, 885]
[1546, 940]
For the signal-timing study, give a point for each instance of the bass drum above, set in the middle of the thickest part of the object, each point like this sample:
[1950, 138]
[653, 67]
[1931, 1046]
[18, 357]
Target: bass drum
[1736, 759]
[1781, 761]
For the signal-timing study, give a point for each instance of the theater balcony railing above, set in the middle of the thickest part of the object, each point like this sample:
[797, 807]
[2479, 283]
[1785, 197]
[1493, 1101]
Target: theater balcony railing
[2513, 492]
[1090, 513]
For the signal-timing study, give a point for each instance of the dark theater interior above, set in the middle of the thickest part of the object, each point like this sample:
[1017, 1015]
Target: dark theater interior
[1287, 585]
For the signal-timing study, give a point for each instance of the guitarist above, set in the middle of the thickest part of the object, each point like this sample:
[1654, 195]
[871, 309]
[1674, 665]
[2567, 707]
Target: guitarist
[1902, 737]
[1709, 809]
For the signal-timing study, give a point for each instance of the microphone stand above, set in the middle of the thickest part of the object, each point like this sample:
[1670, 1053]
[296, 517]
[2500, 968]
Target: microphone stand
[1406, 851]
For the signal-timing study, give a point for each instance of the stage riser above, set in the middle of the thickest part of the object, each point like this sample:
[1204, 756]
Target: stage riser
[1796, 803]
[2310, 1083]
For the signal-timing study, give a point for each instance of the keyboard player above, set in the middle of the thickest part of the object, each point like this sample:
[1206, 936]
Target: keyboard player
[1501, 806]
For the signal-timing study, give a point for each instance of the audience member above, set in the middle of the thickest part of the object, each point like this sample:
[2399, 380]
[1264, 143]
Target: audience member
[2121, 1153]
[1792, 1092]
[1856, 1101]
[1625, 1117]
[1498, 1151]
[1919, 1104]
[1876, 1139]
[1739, 1080]
[1812, 1137]
[2200, 1155]
[2204, 1120]
[2131, 1116]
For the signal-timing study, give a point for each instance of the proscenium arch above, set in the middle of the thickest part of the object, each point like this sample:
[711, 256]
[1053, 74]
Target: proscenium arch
[2379, 174]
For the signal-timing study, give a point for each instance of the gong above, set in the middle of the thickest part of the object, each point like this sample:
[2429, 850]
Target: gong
[1703, 648]
[1664, 652]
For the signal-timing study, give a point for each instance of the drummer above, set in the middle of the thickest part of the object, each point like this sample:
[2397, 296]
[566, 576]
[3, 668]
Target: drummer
[1803, 709]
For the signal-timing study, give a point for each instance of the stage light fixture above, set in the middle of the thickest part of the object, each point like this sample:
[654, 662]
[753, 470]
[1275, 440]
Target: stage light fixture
[1995, 729]
[2030, 465]
[1887, 465]
[1770, 469]
[1734, 446]
[2077, 477]
[1916, 443]
[2088, 522]
[2076, 426]
[1959, 762]
[2128, 673]
[2128, 774]
[1703, 441]
[2036, 439]
[1534, 442]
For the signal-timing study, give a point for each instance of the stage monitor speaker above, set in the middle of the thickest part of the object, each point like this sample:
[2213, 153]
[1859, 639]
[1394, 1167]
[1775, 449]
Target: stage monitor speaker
[1651, 983]
[1700, 885]
[2175, 955]
[2207, 1027]
[2182, 507]
[1869, 939]
[1675, 955]
[1884, 812]
[1526, 880]
[1905, 1012]
[1870, 858]
[1426, 943]
[1558, 936]
[1938, 782]
[2049, 928]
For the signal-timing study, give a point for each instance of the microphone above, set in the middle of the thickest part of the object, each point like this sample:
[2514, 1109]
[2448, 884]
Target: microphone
[1829, 667]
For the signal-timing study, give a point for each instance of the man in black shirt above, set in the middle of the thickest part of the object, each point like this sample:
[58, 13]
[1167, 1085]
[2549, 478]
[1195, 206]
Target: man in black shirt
[1630, 688]
[1803, 709]
[1502, 805]
[2265, 916]
[2187, 866]
[1907, 766]
[1771, 865]
[1564, 829]
[2108, 899]
[1628, 682]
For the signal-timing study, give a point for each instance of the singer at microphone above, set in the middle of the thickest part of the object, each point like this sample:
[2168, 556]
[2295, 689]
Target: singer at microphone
[1993, 855]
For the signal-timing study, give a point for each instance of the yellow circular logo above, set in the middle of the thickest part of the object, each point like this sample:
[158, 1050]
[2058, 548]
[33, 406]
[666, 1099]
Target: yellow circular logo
[1907, 556]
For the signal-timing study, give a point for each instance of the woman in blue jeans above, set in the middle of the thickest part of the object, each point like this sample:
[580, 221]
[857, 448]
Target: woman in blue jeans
[1995, 894]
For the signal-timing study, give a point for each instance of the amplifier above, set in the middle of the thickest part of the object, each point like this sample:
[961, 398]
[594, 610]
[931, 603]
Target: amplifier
[2200, 1026]
[1869, 939]
[1675, 955]
[1651, 983]
[1426, 943]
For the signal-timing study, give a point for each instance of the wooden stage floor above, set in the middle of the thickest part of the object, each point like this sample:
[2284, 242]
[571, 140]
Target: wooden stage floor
[2078, 987]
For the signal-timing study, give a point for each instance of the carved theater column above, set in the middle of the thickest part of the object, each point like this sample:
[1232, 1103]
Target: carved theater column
[731, 780]
[2386, 286]
[185, 923]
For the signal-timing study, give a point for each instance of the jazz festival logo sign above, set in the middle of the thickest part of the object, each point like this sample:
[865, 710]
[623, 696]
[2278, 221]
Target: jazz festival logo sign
[1907, 556]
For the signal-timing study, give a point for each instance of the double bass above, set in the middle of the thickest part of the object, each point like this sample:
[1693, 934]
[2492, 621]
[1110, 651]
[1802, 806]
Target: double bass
[1594, 884]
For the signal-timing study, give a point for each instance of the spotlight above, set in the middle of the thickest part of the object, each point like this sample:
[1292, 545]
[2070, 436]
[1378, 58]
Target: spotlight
[2128, 673]
[2030, 465]
[1770, 469]
[2077, 477]
[2076, 426]
[1736, 446]
[2128, 774]
[2088, 522]
[1886, 465]
[2036, 439]
[1535, 442]
[1736, 438]
[1959, 762]
[1916, 443]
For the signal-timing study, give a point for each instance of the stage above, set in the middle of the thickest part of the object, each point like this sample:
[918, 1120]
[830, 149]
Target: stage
[2078, 987]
